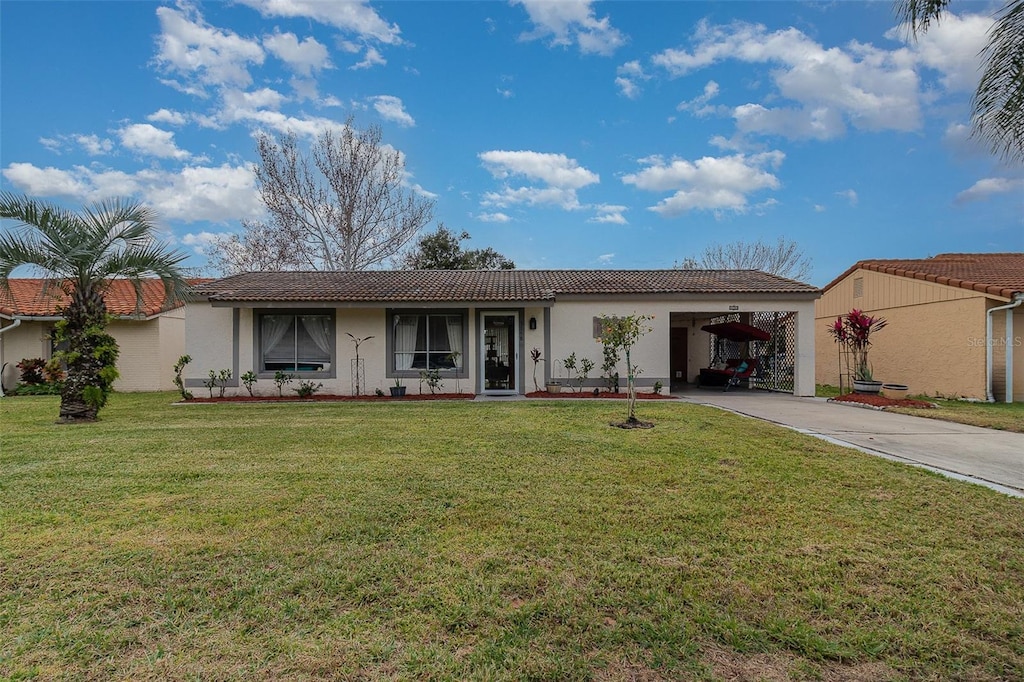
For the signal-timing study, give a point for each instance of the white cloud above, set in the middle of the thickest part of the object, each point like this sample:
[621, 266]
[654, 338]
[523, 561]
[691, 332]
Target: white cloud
[351, 16]
[94, 145]
[610, 213]
[858, 84]
[627, 79]
[194, 193]
[493, 218]
[201, 241]
[572, 21]
[606, 258]
[391, 109]
[187, 45]
[507, 94]
[562, 175]
[710, 183]
[951, 46]
[986, 188]
[48, 181]
[302, 56]
[147, 139]
[699, 104]
[174, 118]
[850, 196]
[52, 144]
[818, 208]
[557, 170]
[372, 58]
[264, 98]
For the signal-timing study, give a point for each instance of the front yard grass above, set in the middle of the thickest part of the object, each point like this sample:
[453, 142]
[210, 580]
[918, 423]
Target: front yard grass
[524, 540]
[1004, 416]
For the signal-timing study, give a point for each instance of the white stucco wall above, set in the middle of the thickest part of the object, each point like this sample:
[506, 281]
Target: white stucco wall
[28, 340]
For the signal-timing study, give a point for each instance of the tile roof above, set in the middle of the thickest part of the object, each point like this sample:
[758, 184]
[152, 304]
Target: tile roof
[998, 274]
[387, 286]
[42, 298]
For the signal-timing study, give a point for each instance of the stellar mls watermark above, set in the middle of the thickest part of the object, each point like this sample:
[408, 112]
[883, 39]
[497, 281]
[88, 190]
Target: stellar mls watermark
[999, 341]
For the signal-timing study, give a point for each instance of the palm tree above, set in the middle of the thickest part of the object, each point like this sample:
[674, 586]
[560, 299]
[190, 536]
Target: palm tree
[81, 253]
[998, 103]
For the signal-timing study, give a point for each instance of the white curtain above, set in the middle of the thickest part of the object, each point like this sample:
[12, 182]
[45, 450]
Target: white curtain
[455, 338]
[406, 330]
[319, 329]
[274, 328]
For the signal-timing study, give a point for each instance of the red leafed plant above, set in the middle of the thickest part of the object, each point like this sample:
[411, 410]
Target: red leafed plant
[854, 330]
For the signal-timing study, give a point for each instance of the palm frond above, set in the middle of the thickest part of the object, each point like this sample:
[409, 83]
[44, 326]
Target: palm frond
[998, 104]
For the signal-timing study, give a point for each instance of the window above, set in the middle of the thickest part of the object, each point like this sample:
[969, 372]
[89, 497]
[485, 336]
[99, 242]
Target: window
[296, 343]
[427, 341]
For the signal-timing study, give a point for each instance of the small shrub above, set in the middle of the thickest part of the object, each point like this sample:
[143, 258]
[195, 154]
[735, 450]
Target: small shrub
[570, 366]
[248, 379]
[657, 387]
[379, 393]
[586, 366]
[53, 372]
[280, 380]
[32, 371]
[218, 380]
[307, 388]
[433, 380]
[179, 367]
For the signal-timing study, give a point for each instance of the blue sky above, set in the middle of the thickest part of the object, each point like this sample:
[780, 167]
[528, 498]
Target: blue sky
[565, 134]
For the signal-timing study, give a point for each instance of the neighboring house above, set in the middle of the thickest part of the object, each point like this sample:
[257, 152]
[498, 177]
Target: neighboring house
[955, 323]
[477, 326]
[150, 335]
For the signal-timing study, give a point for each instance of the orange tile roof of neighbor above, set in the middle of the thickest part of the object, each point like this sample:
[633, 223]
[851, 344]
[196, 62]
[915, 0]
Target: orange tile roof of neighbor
[41, 298]
[998, 274]
[384, 286]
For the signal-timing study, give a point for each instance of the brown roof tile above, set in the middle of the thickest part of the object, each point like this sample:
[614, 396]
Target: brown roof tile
[42, 298]
[998, 274]
[396, 286]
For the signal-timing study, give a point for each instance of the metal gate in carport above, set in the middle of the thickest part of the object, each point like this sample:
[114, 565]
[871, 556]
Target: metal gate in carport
[777, 355]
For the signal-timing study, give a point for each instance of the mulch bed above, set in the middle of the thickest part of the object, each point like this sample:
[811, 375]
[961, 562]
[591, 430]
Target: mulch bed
[328, 398]
[602, 394]
[879, 401]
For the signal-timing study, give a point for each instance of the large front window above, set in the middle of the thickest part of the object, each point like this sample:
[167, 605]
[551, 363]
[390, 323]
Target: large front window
[296, 343]
[428, 341]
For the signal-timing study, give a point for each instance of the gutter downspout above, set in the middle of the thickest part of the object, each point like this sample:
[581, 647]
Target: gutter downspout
[17, 322]
[1018, 299]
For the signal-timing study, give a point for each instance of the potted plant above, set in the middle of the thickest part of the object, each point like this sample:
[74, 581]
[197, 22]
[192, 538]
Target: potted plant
[895, 391]
[398, 390]
[553, 386]
[853, 332]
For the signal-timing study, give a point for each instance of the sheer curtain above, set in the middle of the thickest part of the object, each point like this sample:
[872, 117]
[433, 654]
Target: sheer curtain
[455, 338]
[319, 329]
[406, 330]
[274, 327]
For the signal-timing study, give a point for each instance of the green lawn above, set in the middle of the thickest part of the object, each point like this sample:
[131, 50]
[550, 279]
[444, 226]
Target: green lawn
[523, 540]
[1005, 416]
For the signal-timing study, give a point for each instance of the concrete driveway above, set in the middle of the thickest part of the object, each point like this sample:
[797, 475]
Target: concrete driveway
[985, 456]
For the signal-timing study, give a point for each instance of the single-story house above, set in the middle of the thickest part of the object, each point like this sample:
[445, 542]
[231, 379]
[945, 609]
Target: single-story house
[478, 328]
[150, 335]
[955, 323]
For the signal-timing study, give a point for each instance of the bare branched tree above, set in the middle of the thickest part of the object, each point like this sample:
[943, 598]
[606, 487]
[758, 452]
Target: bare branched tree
[998, 103]
[783, 258]
[342, 206]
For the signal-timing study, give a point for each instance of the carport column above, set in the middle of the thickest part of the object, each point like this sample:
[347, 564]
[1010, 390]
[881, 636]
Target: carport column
[803, 369]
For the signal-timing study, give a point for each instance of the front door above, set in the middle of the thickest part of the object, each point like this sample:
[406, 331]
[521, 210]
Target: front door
[499, 352]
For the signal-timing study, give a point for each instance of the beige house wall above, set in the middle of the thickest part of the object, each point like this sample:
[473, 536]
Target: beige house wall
[224, 338]
[934, 341]
[27, 340]
[148, 350]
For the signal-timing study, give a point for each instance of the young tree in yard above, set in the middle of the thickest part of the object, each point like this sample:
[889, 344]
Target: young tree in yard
[622, 333]
[341, 206]
[998, 103]
[81, 253]
[442, 250]
[784, 258]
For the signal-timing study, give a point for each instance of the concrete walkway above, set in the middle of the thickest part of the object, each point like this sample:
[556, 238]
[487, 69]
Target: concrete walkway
[985, 456]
